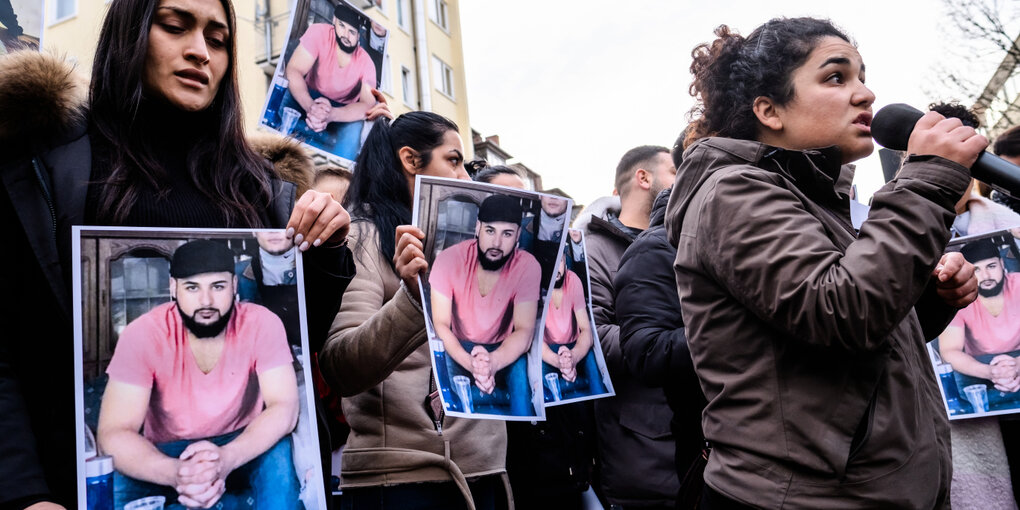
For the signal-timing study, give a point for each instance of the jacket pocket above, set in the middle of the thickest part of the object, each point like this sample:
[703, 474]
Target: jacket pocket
[651, 421]
[863, 431]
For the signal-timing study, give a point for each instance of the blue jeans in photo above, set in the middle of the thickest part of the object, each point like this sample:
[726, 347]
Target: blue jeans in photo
[342, 139]
[512, 394]
[267, 482]
[588, 381]
[997, 400]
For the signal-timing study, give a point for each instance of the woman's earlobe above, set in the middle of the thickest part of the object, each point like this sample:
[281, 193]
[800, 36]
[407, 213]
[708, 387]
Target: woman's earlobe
[408, 159]
[767, 113]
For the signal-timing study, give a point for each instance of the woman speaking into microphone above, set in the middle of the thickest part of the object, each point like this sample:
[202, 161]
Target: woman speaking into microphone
[808, 337]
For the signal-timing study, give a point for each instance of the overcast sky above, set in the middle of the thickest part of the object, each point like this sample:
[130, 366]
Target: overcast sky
[569, 86]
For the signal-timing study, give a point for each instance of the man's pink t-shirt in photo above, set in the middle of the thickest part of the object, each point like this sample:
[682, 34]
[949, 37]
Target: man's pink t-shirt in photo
[185, 403]
[341, 84]
[560, 323]
[985, 334]
[483, 319]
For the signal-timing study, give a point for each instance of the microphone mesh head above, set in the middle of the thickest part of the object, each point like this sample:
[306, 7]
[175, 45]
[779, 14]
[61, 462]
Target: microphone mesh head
[893, 124]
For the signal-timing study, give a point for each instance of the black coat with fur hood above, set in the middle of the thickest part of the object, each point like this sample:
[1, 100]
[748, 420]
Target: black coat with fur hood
[45, 167]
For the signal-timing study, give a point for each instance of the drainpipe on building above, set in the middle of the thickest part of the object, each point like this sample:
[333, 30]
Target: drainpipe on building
[263, 12]
[422, 47]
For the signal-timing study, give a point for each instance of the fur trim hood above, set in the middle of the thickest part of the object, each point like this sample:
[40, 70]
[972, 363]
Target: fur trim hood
[288, 157]
[42, 97]
[599, 208]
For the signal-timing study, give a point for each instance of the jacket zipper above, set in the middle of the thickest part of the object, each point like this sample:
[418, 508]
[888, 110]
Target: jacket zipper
[46, 193]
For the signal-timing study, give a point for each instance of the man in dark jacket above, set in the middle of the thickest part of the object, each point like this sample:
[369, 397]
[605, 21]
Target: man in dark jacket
[652, 333]
[635, 443]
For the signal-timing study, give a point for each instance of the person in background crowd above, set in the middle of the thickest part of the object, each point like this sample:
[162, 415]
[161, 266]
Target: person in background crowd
[270, 278]
[975, 213]
[635, 445]
[501, 175]
[333, 180]
[809, 340]
[652, 335]
[1007, 147]
[402, 450]
[158, 143]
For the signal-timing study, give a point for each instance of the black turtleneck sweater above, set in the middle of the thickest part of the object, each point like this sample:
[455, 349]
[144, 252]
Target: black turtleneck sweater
[177, 201]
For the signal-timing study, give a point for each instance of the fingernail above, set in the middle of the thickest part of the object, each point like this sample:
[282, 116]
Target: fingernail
[299, 238]
[304, 246]
[317, 242]
[290, 232]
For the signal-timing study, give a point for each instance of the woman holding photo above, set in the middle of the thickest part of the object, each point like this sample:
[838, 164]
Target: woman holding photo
[158, 142]
[401, 450]
[809, 339]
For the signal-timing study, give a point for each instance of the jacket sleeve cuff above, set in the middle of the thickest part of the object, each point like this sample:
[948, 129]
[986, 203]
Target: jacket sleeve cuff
[947, 174]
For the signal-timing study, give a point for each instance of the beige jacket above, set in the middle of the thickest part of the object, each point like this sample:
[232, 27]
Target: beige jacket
[377, 356]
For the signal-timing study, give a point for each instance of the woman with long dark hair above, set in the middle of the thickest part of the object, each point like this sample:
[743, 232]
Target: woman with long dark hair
[401, 450]
[809, 338]
[159, 142]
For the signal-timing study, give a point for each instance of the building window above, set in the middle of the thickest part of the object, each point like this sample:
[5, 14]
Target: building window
[404, 15]
[63, 9]
[443, 76]
[138, 282]
[440, 14]
[407, 83]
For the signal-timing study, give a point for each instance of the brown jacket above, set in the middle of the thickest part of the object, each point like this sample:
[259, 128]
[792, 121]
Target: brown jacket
[378, 357]
[809, 340]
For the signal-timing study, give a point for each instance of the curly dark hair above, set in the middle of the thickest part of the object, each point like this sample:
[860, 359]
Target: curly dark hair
[956, 111]
[731, 71]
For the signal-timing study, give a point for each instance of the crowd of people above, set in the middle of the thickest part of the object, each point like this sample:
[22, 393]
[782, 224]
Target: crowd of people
[764, 352]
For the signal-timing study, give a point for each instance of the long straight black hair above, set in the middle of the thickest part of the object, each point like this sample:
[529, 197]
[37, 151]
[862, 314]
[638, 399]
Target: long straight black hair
[379, 192]
[222, 165]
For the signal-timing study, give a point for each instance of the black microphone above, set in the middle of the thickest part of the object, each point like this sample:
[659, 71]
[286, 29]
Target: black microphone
[893, 124]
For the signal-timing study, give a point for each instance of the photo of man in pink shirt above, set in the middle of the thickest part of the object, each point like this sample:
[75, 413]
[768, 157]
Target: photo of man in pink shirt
[982, 343]
[202, 395]
[484, 303]
[330, 78]
[569, 367]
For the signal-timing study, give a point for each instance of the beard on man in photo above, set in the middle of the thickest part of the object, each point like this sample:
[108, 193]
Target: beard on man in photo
[200, 257]
[343, 13]
[994, 278]
[494, 209]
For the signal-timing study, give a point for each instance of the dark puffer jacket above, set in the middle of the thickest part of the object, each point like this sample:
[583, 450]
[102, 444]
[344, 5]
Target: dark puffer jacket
[652, 334]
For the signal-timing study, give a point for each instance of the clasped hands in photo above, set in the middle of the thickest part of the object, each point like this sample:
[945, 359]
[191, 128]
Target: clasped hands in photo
[1004, 373]
[320, 114]
[201, 475]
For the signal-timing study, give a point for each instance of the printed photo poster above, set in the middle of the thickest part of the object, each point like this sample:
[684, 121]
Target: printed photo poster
[573, 366]
[21, 24]
[322, 88]
[977, 357]
[492, 254]
[190, 345]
